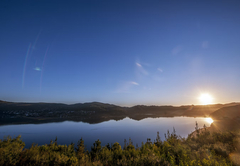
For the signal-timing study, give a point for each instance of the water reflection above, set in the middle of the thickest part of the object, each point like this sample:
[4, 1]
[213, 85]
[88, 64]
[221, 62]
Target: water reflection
[209, 120]
[108, 132]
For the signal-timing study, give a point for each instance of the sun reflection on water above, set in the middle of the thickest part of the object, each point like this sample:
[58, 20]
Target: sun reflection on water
[209, 120]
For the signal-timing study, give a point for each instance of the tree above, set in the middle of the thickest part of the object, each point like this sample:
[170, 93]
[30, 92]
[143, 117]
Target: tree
[80, 149]
[205, 127]
[158, 142]
[196, 127]
[95, 149]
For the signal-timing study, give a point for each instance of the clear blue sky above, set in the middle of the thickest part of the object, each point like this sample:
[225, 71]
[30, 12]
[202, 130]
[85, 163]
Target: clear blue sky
[119, 52]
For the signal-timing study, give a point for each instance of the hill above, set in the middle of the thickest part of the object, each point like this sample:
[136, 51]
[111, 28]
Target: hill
[226, 118]
[94, 112]
[229, 112]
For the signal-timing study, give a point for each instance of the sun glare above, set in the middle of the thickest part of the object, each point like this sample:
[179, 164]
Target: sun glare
[209, 120]
[206, 99]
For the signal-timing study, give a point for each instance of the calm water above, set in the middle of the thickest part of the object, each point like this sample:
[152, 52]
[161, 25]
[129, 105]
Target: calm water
[107, 132]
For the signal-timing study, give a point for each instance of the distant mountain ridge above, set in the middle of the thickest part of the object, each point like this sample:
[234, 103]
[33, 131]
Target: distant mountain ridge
[95, 112]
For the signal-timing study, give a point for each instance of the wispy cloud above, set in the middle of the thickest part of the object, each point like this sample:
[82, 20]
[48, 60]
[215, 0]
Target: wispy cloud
[37, 69]
[160, 70]
[126, 87]
[176, 50]
[138, 64]
[205, 44]
[140, 69]
[134, 83]
[158, 77]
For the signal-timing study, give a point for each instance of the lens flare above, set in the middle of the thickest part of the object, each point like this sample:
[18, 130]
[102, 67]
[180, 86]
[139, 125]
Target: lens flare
[43, 68]
[209, 120]
[25, 64]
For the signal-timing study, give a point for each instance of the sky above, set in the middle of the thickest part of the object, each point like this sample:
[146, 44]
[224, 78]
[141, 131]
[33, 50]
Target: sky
[120, 52]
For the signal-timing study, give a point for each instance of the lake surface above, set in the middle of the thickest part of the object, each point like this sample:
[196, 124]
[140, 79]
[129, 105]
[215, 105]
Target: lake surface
[107, 132]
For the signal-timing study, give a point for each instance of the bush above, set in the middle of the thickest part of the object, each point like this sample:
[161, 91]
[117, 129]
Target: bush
[221, 148]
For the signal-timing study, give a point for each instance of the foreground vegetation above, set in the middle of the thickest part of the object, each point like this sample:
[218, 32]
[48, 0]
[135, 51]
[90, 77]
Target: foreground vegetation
[219, 148]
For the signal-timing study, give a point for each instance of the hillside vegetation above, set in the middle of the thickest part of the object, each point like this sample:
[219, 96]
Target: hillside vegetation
[218, 148]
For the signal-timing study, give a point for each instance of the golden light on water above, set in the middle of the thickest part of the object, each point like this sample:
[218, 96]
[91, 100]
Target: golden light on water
[205, 99]
[209, 120]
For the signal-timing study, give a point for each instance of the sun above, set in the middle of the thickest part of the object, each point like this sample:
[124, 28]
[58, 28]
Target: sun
[205, 99]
